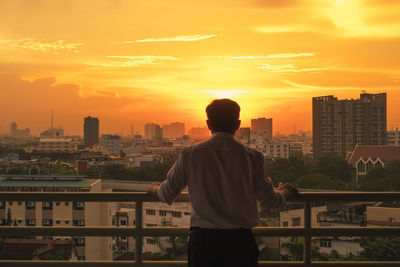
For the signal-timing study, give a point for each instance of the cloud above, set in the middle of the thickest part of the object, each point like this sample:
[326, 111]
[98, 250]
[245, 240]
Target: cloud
[44, 46]
[180, 38]
[277, 56]
[288, 68]
[134, 61]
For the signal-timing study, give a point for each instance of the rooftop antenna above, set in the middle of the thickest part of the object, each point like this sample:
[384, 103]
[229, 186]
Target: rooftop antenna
[52, 118]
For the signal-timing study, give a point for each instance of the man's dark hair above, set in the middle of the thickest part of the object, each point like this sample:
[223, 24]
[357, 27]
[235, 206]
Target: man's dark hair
[223, 115]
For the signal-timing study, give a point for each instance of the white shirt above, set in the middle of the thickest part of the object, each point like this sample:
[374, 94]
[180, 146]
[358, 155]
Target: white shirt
[225, 178]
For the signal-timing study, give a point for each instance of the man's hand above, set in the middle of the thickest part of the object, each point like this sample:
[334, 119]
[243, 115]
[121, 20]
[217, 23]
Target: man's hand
[153, 188]
[289, 191]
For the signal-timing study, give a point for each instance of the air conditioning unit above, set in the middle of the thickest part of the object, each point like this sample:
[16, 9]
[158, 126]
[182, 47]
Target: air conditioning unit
[80, 240]
[32, 204]
[81, 222]
[46, 222]
[31, 221]
[79, 204]
[46, 204]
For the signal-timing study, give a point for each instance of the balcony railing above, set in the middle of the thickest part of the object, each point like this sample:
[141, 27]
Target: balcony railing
[307, 232]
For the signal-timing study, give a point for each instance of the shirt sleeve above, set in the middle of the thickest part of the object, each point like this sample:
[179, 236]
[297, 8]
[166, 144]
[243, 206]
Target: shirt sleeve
[264, 189]
[174, 184]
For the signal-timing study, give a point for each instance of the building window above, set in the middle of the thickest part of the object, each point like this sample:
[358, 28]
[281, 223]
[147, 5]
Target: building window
[162, 213]
[369, 165]
[66, 204]
[79, 205]
[150, 241]
[58, 221]
[361, 166]
[187, 213]
[47, 222]
[325, 243]
[392, 220]
[30, 222]
[150, 212]
[285, 224]
[19, 203]
[2, 221]
[81, 258]
[10, 203]
[46, 205]
[78, 222]
[2, 204]
[30, 205]
[296, 221]
[122, 222]
[80, 242]
[57, 203]
[176, 214]
[66, 221]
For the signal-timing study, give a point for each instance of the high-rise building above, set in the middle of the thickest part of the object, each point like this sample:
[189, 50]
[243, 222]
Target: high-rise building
[152, 131]
[340, 125]
[173, 130]
[19, 133]
[91, 131]
[199, 132]
[262, 126]
[244, 134]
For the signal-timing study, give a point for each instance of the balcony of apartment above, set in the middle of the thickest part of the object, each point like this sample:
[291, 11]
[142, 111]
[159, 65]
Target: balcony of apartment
[308, 231]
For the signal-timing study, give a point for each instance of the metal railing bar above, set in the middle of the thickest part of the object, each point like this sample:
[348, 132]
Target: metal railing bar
[184, 197]
[139, 227]
[21, 263]
[19, 231]
[307, 229]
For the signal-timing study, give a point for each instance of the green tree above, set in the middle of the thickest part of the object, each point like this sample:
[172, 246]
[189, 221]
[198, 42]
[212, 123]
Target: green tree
[382, 178]
[59, 169]
[319, 181]
[177, 246]
[287, 170]
[295, 249]
[380, 248]
[333, 167]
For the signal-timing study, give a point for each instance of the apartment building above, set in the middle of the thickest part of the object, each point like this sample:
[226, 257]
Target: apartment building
[155, 214]
[112, 144]
[393, 138]
[56, 213]
[322, 217]
[57, 145]
[340, 125]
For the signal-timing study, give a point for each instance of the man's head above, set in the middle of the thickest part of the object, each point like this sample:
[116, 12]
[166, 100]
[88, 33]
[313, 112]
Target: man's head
[223, 116]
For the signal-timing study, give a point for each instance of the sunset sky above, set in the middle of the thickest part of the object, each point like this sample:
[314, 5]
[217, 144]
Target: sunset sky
[132, 62]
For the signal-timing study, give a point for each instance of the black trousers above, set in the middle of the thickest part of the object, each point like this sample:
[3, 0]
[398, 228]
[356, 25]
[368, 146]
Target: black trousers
[220, 248]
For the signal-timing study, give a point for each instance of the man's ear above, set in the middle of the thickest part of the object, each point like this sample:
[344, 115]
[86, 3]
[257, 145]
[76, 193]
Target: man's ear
[238, 124]
[209, 125]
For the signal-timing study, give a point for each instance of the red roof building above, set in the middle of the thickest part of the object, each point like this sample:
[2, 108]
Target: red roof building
[364, 157]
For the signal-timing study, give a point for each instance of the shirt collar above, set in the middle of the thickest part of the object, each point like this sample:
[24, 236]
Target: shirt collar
[223, 135]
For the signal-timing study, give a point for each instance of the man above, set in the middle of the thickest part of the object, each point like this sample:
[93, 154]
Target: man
[225, 180]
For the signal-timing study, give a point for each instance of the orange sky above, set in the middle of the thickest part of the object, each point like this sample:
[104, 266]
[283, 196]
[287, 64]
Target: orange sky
[162, 61]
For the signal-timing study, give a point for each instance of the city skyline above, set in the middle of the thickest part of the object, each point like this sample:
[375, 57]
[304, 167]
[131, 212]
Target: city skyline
[270, 56]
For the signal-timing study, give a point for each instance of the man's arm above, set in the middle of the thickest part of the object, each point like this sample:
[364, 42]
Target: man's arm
[170, 189]
[268, 197]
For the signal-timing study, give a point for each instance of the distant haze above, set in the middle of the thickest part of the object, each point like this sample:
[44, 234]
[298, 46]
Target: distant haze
[132, 62]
